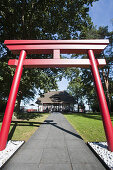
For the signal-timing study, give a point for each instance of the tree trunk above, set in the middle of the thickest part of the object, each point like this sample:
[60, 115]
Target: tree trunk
[78, 104]
[106, 81]
[17, 108]
[18, 105]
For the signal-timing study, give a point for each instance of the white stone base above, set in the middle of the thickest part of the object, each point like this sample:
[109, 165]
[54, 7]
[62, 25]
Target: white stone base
[10, 149]
[101, 149]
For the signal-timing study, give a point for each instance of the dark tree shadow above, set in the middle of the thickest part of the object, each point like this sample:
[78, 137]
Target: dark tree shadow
[26, 123]
[15, 124]
[29, 115]
[96, 116]
[12, 131]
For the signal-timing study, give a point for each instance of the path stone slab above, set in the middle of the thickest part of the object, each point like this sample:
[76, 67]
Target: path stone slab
[20, 166]
[82, 156]
[56, 155]
[55, 167]
[78, 145]
[55, 144]
[87, 166]
[27, 156]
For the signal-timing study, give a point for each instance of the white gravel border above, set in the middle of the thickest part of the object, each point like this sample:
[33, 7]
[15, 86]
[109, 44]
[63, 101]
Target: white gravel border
[101, 149]
[10, 149]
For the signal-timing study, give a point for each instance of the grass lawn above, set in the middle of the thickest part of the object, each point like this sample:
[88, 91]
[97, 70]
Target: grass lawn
[88, 125]
[22, 129]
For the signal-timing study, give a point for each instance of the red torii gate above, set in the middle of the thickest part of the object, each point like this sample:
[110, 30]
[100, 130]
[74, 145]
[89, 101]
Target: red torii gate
[56, 47]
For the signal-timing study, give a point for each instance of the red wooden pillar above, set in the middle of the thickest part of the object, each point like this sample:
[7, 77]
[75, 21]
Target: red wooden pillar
[102, 101]
[11, 101]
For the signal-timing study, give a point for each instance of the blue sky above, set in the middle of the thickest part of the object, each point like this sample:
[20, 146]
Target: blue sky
[102, 15]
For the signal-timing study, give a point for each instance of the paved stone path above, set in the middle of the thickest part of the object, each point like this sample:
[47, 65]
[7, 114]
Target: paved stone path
[54, 146]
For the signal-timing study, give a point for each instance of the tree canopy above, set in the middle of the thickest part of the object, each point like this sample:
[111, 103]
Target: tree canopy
[38, 19]
[106, 73]
[44, 19]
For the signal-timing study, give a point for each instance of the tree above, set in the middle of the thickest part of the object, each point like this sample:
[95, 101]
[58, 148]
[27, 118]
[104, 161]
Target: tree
[75, 87]
[39, 19]
[105, 72]
[88, 89]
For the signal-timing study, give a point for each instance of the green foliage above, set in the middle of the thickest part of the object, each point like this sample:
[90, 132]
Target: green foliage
[75, 87]
[81, 82]
[34, 19]
[2, 105]
[5, 79]
[94, 33]
[105, 73]
[44, 19]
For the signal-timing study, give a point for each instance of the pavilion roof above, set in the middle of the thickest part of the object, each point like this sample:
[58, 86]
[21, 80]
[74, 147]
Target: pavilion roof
[56, 97]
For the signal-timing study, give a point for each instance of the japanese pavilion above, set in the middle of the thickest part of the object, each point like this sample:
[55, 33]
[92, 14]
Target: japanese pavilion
[56, 101]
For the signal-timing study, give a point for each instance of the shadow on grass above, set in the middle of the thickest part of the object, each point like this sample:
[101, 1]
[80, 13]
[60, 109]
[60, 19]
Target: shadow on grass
[96, 116]
[29, 123]
[25, 116]
[12, 131]
[18, 123]
[29, 115]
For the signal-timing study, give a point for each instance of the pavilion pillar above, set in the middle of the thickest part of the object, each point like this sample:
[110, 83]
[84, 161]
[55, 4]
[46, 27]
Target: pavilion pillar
[102, 101]
[11, 101]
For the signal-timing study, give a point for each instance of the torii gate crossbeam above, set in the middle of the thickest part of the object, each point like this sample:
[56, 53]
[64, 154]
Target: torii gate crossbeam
[56, 47]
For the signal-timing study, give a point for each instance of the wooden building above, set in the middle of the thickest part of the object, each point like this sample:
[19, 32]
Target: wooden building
[55, 101]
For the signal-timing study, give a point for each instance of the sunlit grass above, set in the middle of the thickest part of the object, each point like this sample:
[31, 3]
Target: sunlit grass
[23, 129]
[88, 125]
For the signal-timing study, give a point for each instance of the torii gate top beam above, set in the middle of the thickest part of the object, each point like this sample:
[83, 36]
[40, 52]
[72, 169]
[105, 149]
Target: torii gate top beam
[65, 46]
[56, 47]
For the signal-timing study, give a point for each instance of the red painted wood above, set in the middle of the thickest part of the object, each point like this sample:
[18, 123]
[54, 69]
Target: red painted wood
[48, 49]
[56, 54]
[44, 63]
[47, 46]
[93, 41]
[102, 101]
[11, 102]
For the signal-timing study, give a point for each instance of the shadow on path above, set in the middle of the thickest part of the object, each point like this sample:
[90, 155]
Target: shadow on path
[65, 130]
